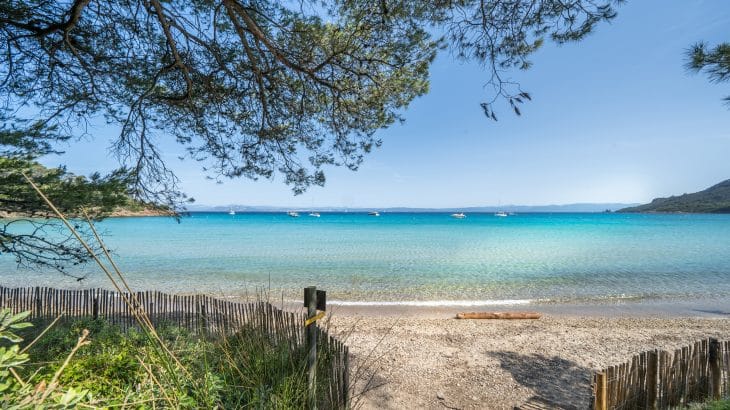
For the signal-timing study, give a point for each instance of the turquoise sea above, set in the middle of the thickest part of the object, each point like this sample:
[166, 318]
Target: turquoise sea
[417, 258]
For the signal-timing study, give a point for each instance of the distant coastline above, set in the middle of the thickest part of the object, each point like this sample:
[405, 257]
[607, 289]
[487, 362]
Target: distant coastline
[136, 212]
[117, 213]
[566, 208]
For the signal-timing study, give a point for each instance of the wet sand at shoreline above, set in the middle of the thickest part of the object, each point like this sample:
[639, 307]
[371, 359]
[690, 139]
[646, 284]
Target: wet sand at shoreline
[703, 308]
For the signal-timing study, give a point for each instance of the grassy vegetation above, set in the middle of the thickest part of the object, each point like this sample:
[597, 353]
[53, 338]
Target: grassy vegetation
[714, 405]
[118, 368]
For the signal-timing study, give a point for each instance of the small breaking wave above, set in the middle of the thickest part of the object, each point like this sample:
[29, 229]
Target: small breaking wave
[432, 303]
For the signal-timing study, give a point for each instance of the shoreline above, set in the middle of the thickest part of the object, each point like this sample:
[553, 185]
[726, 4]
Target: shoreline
[688, 306]
[698, 307]
[705, 308]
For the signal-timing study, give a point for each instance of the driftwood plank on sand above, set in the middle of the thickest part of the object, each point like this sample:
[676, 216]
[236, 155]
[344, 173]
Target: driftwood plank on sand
[498, 315]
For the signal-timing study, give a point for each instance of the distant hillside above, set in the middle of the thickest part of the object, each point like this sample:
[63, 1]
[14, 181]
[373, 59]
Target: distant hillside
[715, 199]
[131, 208]
[137, 208]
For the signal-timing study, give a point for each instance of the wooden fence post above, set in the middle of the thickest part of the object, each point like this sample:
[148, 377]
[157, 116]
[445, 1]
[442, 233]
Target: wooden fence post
[601, 396]
[346, 378]
[310, 295]
[715, 373]
[651, 379]
[95, 308]
[38, 306]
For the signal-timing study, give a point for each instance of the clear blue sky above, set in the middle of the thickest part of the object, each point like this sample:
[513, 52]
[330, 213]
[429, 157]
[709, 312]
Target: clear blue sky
[614, 118]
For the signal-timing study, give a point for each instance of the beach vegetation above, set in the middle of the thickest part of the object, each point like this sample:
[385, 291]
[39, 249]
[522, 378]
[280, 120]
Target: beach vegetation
[712, 405]
[94, 363]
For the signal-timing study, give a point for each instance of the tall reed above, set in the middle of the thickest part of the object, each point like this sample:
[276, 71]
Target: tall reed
[172, 372]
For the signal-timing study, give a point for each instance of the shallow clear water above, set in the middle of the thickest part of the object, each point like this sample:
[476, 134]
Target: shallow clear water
[418, 257]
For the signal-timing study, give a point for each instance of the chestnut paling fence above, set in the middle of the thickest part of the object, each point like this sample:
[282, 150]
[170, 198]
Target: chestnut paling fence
[199, 313]
[662, 380]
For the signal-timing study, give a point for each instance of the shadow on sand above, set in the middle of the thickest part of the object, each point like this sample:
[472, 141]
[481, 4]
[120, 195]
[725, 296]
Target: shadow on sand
[369, 382]
[557, 383]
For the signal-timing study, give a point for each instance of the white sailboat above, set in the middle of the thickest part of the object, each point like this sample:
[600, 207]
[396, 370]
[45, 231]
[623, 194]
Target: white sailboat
[458, 215]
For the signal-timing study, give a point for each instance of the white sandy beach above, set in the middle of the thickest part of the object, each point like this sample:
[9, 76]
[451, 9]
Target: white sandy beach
[425, 359]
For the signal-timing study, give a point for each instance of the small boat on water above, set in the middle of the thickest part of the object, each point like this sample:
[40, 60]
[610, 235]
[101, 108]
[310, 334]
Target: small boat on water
[293, 214]
[231, 212]
[314, 214]
[458, 215]
[374, 213]
[500, 214]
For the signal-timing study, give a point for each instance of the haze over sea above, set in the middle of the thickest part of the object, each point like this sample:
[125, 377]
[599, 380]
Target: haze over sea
[418, 258]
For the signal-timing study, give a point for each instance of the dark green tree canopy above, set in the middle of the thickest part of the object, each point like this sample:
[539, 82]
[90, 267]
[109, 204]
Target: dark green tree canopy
[29, 233]
[33, 237]
[254, 88]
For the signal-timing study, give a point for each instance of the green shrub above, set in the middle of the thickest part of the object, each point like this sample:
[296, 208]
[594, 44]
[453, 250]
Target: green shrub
[716, 405]
[17, 393]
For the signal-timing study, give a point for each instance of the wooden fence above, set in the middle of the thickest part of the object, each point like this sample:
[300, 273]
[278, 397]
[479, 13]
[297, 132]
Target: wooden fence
[662, 380]
[199, 313]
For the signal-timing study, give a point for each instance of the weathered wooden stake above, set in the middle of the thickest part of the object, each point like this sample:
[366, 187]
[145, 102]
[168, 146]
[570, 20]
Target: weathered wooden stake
[651, 379]
[310, 295]
[38, 305]
[601, 397]
[346, 377]
[95, 308]
[715, 372]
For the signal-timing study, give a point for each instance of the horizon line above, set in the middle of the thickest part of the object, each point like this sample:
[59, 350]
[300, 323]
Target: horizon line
[314, 207]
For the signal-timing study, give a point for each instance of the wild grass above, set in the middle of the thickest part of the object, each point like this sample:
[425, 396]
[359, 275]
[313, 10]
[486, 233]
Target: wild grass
[112, 368]
[712, 405]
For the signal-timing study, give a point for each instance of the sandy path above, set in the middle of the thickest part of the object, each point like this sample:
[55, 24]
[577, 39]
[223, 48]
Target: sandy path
[436, 363]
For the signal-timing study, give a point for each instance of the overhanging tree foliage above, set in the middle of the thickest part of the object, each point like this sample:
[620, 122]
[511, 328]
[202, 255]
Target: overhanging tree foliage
[714, 61]
[257, 87]
[252, 88]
